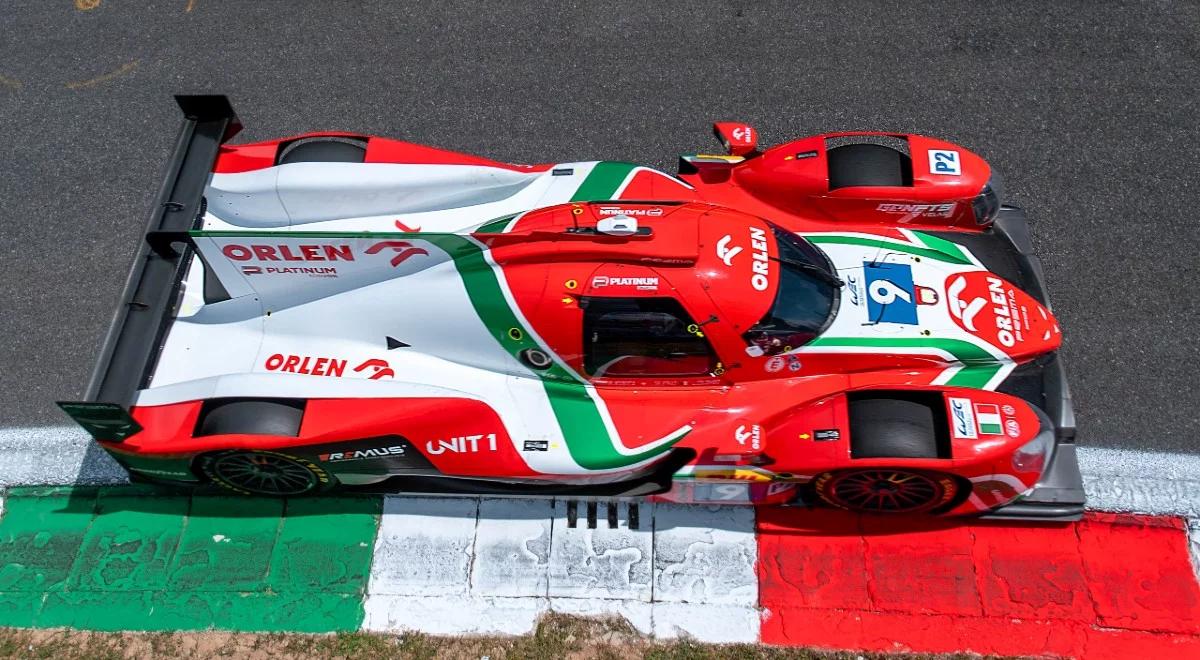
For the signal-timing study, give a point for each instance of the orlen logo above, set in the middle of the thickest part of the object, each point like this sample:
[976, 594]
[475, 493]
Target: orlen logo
[758, 243]
[288, 252]
[726, 253]
[620, 210]
[748, 433]
[403, 249]
[326, 366]
[743, 133]
[969, 295]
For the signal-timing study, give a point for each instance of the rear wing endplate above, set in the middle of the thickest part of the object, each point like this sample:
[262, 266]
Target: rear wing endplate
[138, 329]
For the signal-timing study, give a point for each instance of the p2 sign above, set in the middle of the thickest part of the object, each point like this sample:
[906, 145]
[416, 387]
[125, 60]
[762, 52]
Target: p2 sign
[945, 161]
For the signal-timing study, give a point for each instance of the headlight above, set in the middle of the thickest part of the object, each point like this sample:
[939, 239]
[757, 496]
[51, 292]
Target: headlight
[987, 203]
[1033, 455]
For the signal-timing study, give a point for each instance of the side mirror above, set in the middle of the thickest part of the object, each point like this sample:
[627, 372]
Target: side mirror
[738, 139]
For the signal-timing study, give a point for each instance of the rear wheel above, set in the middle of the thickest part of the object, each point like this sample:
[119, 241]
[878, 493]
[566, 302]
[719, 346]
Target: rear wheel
[266, 473]
[886, 490]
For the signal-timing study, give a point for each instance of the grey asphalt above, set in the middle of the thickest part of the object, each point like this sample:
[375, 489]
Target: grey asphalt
[1088, 109]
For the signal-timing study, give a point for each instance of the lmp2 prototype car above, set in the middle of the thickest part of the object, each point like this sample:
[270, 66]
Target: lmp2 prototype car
[849, 319]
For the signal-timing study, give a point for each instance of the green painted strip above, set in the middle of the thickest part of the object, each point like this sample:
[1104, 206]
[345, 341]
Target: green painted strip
[602, 182]
[955, 257]
[132, 558]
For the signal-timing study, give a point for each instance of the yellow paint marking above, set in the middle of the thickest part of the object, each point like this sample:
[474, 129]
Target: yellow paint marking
[86, 5]
[11, 83]
[125, 68]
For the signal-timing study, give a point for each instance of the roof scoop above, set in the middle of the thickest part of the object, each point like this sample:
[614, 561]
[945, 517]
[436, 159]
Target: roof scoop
[617, 225]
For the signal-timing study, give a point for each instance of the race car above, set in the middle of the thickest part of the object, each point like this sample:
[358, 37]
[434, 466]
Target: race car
[851, 320]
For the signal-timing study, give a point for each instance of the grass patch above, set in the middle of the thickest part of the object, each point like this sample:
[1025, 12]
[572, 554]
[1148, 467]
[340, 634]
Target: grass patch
[557, 637]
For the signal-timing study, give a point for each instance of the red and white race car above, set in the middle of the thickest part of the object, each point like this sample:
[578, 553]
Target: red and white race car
[850, 319]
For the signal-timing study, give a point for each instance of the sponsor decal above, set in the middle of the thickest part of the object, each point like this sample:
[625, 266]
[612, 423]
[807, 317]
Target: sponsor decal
[743, 134]
[463, 444]
[760, 271]
[1013, 428]
[360, 454]
[968, 295]
[945, 161]
[377, 369]
[314, 271]
[794, 363]
[639, 283]
[325, 366]
[406, 229]
[774, 364]
[962, 419]
[562, 171]
[305, 364]
[536, 445]
[620, 210]
[987, 419]
[804, 155]
[749, 433]
[288, 252]
[1009, 410]
[889, 293]
[726, 253]
[403, 249]
[944, 210]
[826, 435]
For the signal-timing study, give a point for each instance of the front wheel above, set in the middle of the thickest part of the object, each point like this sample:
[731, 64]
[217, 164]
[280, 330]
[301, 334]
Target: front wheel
[886, 490]
[266, 473]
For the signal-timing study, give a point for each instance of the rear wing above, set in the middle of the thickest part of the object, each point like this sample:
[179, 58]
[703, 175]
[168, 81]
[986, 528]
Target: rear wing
[136, 334]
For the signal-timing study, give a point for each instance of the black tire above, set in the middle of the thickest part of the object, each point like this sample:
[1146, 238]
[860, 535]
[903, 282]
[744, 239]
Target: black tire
[280, 417]
[887, 490]
[892, 428]
[266, 473]
[868, 165]
[323, 150]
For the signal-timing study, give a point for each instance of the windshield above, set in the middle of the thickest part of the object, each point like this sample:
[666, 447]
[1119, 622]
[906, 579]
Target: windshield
[805, 301]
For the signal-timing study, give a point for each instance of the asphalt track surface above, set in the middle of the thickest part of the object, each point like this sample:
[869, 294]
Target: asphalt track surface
[1088, 109]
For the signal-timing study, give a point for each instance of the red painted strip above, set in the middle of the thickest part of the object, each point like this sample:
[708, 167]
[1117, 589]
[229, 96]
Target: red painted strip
[1107, 587]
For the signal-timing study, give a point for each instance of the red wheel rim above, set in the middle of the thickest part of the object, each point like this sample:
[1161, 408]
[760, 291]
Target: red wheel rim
[884, 491]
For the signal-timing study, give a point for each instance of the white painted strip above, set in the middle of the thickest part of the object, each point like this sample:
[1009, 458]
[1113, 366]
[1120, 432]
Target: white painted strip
[1141, 481]
[686, 570]
[54, 456]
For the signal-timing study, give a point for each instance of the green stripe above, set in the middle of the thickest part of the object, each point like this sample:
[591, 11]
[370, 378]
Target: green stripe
[602, 182]
[134, 558]
[976, 376]
[939, 252]
[574, 405]
[496, 226]
[980, 366]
